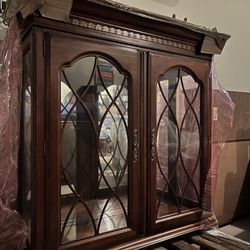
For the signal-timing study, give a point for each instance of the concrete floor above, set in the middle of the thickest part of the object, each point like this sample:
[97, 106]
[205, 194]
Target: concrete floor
[239, 229]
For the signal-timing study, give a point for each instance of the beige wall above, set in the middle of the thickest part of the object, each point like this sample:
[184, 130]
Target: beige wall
[228, 16]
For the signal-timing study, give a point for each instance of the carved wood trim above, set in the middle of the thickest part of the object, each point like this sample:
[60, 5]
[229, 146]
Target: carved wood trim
[112, 29]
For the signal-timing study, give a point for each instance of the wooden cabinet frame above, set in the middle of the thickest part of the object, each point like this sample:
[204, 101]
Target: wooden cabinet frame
[145, 46]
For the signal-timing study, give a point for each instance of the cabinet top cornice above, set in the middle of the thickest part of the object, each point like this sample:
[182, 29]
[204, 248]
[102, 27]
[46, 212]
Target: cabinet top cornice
[208, 41]
[213, 41]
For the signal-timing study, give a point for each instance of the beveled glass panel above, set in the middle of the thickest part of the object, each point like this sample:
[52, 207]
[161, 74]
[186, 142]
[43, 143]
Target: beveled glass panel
[80, 73]
[94, 148]
[178, 143]
[26, 142]
[189, 174]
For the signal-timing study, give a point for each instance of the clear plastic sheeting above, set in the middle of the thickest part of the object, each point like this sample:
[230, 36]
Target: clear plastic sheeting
[54, 9]
[13, 231]
[178, 142]
[222, 121]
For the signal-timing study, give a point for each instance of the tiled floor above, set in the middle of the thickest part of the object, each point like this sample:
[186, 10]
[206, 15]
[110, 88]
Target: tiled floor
[239, 229]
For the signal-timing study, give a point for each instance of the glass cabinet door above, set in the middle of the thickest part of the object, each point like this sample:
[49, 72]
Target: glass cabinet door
[94, 148]
[93, 157]
[176, 141]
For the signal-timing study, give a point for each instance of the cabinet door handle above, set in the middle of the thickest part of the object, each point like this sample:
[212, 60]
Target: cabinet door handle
[153, 144]
[135, 145]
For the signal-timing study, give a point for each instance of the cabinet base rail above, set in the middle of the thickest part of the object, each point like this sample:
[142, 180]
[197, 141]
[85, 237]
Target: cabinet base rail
[157, 238]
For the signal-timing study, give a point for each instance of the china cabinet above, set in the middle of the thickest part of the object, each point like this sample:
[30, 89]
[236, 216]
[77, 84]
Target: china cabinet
[115, 127]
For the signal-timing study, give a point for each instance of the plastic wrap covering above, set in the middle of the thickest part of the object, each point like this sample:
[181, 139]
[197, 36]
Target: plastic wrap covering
[54, 9]
[222, 122]
[13, 231]
[178, 142]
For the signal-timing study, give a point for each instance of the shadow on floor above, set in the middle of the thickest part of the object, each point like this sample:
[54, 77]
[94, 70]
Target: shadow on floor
[243, 205]
[239, 229]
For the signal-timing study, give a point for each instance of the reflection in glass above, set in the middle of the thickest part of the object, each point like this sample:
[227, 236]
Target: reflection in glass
[94, 148]
[178, 143]
[26, 142]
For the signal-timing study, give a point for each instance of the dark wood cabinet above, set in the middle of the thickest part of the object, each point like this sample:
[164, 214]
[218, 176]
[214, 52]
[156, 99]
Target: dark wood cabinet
[115, 128]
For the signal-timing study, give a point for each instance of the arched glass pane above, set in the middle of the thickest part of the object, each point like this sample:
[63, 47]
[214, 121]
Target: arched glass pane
[94, 148]
[79, 74]
[178, 143]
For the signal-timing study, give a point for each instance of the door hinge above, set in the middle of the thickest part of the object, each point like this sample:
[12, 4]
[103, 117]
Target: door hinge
[135, 145]
[153, 144]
